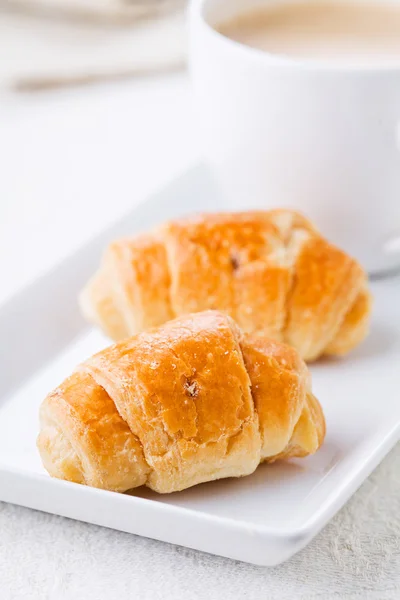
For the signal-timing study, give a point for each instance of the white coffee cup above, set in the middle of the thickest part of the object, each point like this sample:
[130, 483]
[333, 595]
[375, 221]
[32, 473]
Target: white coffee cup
[320, 138]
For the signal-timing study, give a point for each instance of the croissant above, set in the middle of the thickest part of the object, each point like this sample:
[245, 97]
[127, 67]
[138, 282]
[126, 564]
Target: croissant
[192, 401]
[272, 272]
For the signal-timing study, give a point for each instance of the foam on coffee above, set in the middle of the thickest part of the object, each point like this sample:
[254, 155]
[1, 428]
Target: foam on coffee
[357, 32]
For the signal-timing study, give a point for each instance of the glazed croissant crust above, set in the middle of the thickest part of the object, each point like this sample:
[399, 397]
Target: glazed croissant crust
[270, 271]
[192, 401]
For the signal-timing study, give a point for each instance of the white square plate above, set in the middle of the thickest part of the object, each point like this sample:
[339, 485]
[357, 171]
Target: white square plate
[264, 518]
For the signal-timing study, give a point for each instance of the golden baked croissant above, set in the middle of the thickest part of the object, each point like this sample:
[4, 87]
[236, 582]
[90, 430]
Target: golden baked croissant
[270, 271]
[192, 401]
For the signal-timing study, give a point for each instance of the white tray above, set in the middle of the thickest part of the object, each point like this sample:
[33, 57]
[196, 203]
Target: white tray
[262, 519]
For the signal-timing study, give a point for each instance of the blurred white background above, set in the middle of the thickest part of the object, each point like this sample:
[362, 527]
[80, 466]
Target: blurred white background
[76, 157]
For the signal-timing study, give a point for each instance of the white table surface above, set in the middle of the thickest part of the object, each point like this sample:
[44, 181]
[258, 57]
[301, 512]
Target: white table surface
[72, 162]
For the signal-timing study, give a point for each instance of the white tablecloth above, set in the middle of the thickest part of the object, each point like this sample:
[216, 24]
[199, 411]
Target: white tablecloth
[356, 557]
[72, 162]
[33, 48]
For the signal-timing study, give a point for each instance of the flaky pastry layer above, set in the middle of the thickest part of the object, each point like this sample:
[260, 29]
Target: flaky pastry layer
[270, 271]
[192, 401]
